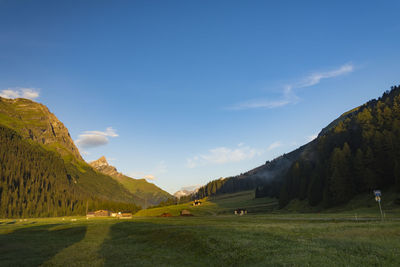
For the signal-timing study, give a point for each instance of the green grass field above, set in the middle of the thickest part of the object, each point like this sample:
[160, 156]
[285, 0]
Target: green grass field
[213, 237]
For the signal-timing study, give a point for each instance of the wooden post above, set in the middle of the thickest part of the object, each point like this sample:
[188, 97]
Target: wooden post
[380, 208]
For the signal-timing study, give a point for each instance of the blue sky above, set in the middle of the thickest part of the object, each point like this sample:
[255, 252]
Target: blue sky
[190, 91]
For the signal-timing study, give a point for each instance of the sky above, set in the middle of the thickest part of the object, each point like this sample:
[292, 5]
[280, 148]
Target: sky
[184, 92]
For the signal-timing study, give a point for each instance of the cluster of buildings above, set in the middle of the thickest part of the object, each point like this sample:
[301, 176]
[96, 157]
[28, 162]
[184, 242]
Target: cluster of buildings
[107, 213]
[240, 211]
[196, 203]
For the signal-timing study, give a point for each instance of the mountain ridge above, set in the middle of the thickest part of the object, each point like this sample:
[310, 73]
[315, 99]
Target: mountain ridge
[35, 122]
[366, 134]
[148, 192]
[43, 174]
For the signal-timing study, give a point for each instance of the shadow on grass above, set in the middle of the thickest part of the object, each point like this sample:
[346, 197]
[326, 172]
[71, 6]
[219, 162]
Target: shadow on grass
[151, 244]
[188, 241]
[32, 246]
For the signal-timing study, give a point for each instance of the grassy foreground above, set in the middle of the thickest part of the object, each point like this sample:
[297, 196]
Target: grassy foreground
[199, 241]
[212, 237]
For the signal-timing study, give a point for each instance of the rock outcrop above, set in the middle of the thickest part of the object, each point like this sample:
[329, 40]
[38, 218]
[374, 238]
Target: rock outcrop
[34, 121]
[102, 166]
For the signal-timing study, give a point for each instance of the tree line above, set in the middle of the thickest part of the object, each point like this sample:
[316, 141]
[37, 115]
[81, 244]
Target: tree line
[359, 154]
[355, 154]
[34, 182]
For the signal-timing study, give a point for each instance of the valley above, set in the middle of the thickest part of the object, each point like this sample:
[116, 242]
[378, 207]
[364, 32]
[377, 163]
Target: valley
[213, 236]
[199, 133]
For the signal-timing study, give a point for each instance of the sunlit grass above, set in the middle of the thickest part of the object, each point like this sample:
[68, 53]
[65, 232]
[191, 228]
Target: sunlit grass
[210, 240]
[214, 237]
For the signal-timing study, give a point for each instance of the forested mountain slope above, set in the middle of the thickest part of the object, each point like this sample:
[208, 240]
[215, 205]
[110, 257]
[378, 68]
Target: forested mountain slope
[356, 153]
[35, 182]
[34, 121]
[268, 173]
[359, 153]
[42, 172]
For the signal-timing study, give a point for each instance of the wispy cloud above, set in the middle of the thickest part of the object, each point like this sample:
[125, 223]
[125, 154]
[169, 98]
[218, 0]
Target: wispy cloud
[274, 145]
[153, 174]
[190, 187]
[311, 137]
[288, 94]
[316, 78]
[260, 103]
[90, 139]
[222, 155]
[29, 93]
[149, 177]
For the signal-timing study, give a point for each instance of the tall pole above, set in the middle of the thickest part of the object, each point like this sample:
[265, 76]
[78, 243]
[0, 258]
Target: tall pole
[378, 195]
[380, 208]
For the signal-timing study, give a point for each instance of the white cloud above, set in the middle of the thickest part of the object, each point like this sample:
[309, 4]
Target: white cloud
[311, 137]
[260, 103]
[222, 155]
[29, 93]
[190, 187]
[288, 95]
[316, 78]
[151, 175]
[90, 139]
[274, 145]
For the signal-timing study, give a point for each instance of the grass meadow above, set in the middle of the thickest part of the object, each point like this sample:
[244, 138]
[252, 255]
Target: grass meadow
[213, 237]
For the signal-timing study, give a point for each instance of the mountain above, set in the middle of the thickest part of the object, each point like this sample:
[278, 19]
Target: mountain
[186, 191]
[102, 166]
[42, 172]
[35, 122]
[355, 154]
[182, 193]
[149, 193]
[268, 173]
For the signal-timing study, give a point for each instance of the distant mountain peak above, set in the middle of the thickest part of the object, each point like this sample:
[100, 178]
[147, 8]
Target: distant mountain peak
[102, 166]
[102, 161]
[187, 190]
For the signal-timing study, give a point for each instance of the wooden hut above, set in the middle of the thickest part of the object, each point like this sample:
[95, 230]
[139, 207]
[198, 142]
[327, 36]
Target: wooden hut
[125, 215]
[240, 211]
[102, 213]
[165, 214]
[185, 213]
[196, 202]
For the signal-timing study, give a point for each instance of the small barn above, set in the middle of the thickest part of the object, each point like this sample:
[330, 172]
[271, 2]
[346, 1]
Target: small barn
[125, 215]
[196, 202]
[240, 211]
[102, 213]
[165, 214]
[186, 213]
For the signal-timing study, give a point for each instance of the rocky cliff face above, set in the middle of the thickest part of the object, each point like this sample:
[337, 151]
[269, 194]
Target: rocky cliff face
[187, 190]
[102, 166]
[34, 121]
